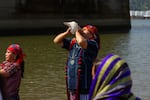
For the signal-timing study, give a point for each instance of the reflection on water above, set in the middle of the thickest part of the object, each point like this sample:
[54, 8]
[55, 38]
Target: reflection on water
[44, 67]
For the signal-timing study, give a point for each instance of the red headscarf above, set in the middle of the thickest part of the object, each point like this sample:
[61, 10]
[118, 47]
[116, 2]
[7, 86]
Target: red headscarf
[94, 32]
[17, 50]
[91, 28]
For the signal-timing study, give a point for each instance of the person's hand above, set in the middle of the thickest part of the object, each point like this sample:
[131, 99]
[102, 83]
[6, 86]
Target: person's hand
[80, 32]
[68, 31]
[73, 26]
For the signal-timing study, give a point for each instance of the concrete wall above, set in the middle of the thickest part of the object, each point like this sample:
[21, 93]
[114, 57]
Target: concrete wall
[7, 7]
[103, 13]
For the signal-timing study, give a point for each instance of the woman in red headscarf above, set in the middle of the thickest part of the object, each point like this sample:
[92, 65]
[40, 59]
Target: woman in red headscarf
[83, 50]
[11, 71]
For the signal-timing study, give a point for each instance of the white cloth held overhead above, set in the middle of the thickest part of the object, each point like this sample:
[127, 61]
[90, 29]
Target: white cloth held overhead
[73, 25]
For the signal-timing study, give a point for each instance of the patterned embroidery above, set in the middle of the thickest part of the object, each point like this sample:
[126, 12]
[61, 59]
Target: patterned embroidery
[9, 67]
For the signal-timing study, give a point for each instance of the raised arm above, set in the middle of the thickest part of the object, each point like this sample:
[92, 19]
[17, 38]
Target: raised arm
[4, 73]
[82, 41]
[59, 38]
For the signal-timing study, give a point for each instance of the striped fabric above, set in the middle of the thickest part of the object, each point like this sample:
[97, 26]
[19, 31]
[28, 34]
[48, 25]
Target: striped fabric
[112, 80]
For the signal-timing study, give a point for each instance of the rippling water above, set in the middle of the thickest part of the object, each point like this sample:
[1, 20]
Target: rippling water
[44, 67]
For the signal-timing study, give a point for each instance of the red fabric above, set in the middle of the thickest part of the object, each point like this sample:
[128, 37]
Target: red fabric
[17, 50]
[73, 41]
[91, 28]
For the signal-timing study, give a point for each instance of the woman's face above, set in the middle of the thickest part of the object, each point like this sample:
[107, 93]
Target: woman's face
[87, 34]
[9, 56]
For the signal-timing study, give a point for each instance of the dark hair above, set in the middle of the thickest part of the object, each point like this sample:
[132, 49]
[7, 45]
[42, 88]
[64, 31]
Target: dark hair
[21, 66]
[97, 39]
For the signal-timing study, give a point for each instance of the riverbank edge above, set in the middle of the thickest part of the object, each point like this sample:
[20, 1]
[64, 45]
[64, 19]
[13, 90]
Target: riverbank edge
[52, 26]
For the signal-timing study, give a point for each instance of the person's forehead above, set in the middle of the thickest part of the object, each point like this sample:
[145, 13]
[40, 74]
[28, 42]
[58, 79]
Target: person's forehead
[9, 51]
[86, 29]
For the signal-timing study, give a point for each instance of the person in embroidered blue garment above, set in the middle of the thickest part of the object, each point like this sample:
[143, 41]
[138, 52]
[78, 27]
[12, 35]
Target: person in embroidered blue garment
[83, 50]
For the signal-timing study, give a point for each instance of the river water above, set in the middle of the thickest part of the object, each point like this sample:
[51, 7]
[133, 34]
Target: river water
[44, 63]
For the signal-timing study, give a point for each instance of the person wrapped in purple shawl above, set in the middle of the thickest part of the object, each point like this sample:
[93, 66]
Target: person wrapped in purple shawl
[112, 80]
